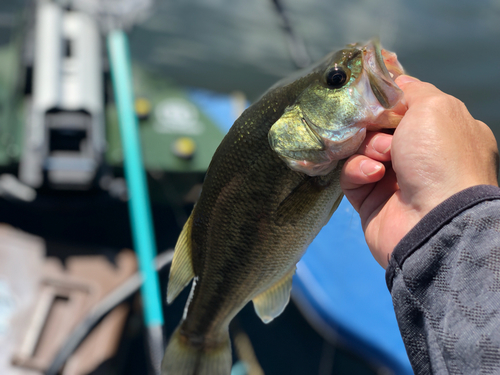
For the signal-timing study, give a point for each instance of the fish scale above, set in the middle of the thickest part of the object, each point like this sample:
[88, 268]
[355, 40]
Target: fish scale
[263, 202]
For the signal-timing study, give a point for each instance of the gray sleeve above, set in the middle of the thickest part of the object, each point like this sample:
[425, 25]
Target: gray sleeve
[444, 278]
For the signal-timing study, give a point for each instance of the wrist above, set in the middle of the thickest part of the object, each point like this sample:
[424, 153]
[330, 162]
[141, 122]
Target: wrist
[440, 216]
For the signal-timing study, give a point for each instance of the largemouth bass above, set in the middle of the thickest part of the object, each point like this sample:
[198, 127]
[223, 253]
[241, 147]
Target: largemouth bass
[273, 183]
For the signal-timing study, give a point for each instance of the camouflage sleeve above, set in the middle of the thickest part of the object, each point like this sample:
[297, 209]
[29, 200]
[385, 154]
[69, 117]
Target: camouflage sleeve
[444, 278]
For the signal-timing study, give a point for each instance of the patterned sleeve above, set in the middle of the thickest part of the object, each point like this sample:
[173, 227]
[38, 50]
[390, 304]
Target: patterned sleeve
[444, 278]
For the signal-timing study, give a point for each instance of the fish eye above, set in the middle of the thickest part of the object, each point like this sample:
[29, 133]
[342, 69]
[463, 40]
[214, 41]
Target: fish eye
[336, 77]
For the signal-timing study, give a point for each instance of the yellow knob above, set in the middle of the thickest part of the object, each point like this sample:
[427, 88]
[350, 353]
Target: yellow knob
[184, 147]
[142, 108]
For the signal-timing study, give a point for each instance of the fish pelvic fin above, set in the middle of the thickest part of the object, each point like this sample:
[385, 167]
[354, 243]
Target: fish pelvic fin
[181, 271]
[271, 303]
[183, 357]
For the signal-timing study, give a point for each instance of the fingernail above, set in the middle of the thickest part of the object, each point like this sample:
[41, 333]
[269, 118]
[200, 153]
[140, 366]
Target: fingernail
[382, 144]
[369, 167]
[406, 79]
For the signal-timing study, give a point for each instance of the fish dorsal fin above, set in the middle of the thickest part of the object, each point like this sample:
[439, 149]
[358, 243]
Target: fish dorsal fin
[181, 271]
[271, 303]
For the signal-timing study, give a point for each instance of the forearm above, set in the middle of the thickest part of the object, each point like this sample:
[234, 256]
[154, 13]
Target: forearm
[444, 277]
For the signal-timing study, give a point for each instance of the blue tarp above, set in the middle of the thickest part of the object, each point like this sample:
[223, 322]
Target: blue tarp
[341, 289]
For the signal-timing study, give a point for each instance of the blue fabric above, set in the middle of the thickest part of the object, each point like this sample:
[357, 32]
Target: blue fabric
[218, 107]
[341, 289]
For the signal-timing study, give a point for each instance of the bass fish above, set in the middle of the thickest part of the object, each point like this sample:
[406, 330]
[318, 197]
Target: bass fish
[272, 184]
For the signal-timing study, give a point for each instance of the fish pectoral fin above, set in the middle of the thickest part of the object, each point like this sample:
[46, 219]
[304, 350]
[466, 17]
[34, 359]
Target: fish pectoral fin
[303, 197]
[336, 205]
[181, 271]
[271, 303]
[298, 201]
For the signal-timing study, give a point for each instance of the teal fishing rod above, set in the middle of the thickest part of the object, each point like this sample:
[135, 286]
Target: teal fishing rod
[114, 17]
[139, 204]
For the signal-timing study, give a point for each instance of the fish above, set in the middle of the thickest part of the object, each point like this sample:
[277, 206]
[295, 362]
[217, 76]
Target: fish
[272, 184]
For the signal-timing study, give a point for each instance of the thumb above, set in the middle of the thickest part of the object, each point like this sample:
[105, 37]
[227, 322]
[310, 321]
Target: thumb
[404, 79]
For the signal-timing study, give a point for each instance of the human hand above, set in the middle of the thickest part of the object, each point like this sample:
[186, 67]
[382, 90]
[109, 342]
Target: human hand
[437, 150]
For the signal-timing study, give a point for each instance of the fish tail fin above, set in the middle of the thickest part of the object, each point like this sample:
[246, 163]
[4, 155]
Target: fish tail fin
[182, 357]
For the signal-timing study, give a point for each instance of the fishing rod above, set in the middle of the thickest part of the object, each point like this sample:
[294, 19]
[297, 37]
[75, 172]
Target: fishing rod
[295, 44]
[116, 16]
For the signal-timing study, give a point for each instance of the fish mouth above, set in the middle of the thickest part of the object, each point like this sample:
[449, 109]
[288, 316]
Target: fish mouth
[382, 68]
